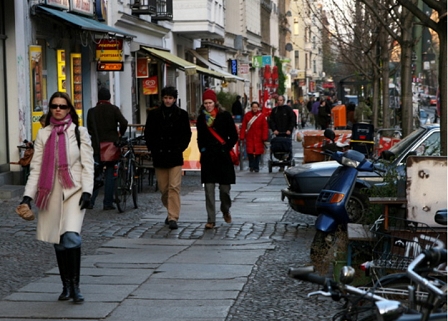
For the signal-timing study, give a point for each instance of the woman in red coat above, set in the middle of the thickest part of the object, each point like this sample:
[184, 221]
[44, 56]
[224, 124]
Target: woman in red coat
[255, 130]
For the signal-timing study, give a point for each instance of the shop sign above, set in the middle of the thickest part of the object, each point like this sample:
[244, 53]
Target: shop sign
[101, 10]
[109, 50]
[234, 66]
[76, 80]
[150, 86]
[243, 69]
[36, 86]
[261, 61]
[142, 70]
[63, 4]
[82, 6]
[109, 66]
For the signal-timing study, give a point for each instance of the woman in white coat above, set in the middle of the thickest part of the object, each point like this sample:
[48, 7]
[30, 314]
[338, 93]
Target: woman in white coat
[61, 184]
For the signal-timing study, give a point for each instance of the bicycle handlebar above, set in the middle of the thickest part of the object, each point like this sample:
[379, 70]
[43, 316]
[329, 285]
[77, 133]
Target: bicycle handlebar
[433, 256]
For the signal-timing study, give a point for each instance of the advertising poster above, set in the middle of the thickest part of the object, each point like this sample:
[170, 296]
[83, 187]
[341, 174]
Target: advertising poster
[142, 70]
[36, 87]
[150, 86]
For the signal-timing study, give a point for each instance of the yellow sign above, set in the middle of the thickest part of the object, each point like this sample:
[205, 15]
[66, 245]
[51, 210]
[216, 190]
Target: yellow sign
[61, 70]
[109, 50]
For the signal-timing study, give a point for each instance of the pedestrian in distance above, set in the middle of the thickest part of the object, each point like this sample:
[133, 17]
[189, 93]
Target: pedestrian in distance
[216, 164]
[323, 116]
[254, 130]
[102, 123]
[237, 109]
[61, 184]
[315, 112]
[167, 135]
[282, 120]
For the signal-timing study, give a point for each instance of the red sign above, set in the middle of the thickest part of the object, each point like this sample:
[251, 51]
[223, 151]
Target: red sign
[142, 70]
[150, 86]
[328, 85]
[109, 66]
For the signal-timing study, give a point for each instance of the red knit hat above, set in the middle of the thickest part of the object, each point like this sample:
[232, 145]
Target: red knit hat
[209, 94]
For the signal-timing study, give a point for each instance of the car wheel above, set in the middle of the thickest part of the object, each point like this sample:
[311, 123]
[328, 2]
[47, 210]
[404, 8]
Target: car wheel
[357, 206]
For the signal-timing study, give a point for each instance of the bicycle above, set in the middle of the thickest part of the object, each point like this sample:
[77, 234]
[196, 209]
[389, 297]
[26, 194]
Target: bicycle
[397, 246]
[126, 174]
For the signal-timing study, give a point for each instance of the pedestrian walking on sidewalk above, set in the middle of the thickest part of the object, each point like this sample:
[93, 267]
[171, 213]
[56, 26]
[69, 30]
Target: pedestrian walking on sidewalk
[102, 123]
[167, 135]
[61, 184]
[254, 130]
[216, 163]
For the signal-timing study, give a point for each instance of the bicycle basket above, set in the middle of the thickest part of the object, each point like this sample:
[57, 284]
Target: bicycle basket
[401, 242]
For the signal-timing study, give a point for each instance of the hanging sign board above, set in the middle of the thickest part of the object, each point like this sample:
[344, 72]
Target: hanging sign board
[142, 70]
[109, 50]
[63, 4]
[82, 6]
[109, 66]
[150, 86]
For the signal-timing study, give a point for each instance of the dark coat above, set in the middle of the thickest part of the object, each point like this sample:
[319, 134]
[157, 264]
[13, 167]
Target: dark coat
[216, 164]
[105, 117]
[256, 135]
[167, 135]
[282, 118]
[237, 108]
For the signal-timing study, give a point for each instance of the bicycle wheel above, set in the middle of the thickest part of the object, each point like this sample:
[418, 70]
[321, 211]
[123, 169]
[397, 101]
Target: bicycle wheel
[134, 176]
[122, 190]
[395, 287]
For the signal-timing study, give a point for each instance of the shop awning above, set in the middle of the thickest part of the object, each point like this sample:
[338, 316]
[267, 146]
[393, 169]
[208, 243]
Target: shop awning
[84, 23]
[188, 67]
[227, 76]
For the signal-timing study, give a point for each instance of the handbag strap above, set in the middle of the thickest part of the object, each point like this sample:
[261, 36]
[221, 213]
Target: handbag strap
[251, 121]
[214, 133]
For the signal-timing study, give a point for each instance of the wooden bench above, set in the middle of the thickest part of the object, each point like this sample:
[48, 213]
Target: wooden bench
[387, 201]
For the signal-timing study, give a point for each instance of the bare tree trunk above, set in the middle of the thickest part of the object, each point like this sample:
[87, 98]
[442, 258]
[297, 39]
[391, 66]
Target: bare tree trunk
[443, 88]
[385, 77]
[407, 110]
[375, 96]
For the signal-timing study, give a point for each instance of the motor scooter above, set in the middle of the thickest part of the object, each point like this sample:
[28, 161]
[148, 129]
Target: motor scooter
[334, 199]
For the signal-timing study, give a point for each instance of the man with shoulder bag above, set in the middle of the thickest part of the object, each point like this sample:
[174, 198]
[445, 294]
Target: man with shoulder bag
[102, 123]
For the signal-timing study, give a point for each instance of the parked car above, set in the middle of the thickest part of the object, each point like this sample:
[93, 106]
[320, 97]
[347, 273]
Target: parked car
[305, 181]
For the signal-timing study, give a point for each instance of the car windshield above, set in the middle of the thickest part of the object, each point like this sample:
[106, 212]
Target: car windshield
[406, 142]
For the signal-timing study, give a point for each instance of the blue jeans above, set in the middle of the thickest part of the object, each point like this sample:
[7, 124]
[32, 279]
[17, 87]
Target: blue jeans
[109, 183]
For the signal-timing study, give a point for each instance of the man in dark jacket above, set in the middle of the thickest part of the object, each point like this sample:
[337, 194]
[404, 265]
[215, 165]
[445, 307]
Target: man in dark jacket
[102, 123]
[237, 109]
[282, 119]
[167, 135]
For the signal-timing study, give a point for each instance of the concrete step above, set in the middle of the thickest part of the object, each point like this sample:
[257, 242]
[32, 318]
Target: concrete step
[11, 191]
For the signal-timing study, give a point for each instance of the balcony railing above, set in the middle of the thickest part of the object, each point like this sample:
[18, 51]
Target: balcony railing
[158, 9]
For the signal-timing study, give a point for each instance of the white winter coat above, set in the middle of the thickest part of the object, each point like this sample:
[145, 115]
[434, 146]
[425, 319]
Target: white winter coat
[64, 213]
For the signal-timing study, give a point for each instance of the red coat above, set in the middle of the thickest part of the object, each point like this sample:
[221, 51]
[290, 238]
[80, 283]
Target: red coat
[256, 135]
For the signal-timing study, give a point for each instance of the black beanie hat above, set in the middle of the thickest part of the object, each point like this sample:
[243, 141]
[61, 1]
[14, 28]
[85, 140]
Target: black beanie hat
[103, 94]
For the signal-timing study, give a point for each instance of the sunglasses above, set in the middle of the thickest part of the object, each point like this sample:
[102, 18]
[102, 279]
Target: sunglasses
[55, 106]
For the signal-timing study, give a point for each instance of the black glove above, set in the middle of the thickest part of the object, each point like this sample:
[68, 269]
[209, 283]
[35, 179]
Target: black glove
[85, 200]
[26, 200]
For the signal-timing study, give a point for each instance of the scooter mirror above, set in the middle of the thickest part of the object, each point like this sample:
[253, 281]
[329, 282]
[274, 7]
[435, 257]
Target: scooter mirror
[440, 217]
[328, 133]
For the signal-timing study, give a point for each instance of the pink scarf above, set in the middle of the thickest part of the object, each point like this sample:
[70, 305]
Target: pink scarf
[56, 144]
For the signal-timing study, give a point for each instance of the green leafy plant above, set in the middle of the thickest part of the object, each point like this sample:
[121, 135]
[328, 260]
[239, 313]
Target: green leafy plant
[226, 99]
[281, 76]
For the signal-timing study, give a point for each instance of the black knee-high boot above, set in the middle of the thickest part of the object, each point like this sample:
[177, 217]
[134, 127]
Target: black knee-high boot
[61, 257]
[74, 266]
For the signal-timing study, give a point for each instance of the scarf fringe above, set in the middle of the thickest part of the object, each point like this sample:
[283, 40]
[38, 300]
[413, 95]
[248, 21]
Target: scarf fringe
[42, 199]
[65, 177]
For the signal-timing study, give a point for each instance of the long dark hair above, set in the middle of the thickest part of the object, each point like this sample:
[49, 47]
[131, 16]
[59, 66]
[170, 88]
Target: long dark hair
[73, 114]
